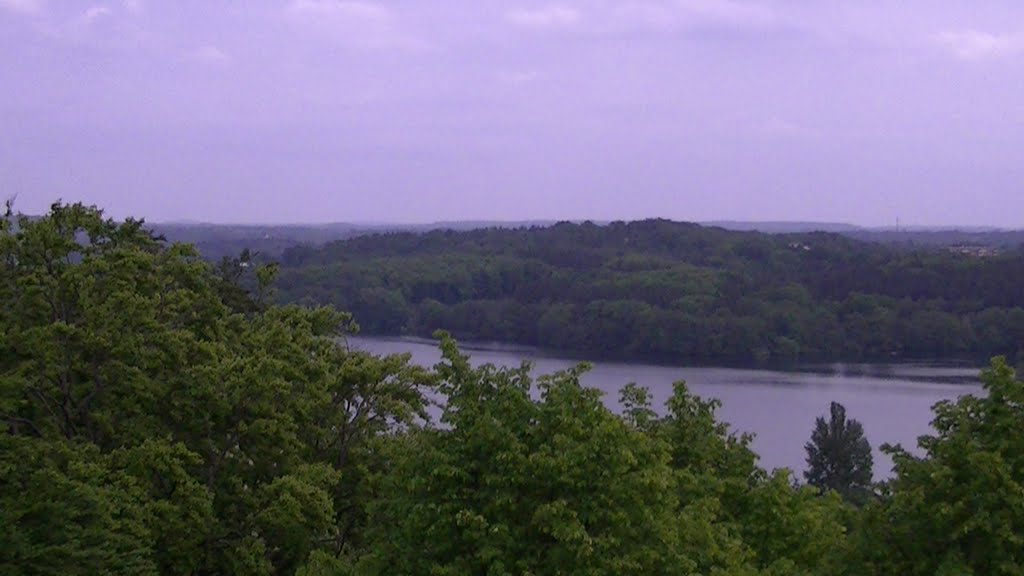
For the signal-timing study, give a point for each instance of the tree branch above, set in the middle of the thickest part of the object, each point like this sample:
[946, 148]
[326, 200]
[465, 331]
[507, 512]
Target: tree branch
[15, 421]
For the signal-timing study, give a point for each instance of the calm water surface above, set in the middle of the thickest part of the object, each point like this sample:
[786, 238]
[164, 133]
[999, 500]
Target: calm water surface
[893, 401]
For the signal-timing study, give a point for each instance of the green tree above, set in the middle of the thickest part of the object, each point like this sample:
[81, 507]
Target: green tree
[518, 484]
[65, 510]
[671, 292]
[734, 517]
[159, 417]
[182, 429]
[839, 456]
[959, 509]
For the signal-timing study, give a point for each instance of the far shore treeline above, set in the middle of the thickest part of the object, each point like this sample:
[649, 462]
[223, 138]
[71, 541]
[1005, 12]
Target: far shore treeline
[160, 416]
[673, 292]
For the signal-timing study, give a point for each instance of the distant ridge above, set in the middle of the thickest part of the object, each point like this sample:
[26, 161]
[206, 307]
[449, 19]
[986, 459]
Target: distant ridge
[215, 241]
[767, 226]
[669, 291]
[783, 227]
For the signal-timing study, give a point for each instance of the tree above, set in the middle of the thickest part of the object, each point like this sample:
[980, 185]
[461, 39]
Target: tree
[734, 517]
[960, 508]
[517, 483]
[157, 418]
[839, 456]
[671, 292]
[64, 510]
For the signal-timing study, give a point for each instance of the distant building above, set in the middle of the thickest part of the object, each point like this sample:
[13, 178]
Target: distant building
[974, 251]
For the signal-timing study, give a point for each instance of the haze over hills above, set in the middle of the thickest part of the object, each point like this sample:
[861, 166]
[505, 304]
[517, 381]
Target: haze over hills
[767, 226]
[782, 227]
[217, 240]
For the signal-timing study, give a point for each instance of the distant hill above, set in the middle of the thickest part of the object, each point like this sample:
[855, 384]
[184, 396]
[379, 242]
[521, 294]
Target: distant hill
[215, 241]
[271, 240]
[920, 236]
[783, 227]
[941, 237]
[672, 291]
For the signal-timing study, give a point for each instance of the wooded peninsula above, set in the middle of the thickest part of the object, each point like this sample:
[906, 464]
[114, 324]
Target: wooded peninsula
[673, 292]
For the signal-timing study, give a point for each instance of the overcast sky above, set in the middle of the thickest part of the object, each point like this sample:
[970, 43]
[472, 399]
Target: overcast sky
[402, 110]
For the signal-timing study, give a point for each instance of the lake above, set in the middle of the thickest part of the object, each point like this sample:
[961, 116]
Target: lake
[892, 401]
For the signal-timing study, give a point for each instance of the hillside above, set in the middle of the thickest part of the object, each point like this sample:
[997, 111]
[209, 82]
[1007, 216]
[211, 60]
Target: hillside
[216, 241]
[673, 292]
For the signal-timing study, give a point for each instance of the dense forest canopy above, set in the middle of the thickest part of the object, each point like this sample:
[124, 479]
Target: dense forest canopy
[156, 417]
[673, 292]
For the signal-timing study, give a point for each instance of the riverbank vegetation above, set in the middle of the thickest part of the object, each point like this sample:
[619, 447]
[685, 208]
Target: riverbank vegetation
[158, 418]
[672, 292]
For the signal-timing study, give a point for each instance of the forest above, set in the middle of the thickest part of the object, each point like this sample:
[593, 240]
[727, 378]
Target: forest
[672, 292]
[160, 416]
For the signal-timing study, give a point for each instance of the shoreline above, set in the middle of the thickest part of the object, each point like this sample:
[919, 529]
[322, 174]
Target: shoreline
[966, 373]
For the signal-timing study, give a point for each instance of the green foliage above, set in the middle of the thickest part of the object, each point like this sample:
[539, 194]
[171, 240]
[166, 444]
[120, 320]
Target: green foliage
[524, 478]
[159, 416]
[839, 456]
[538, 477]
[65, 510]
[159, 419]
[735, 518]
[960, 508]
[669, 291]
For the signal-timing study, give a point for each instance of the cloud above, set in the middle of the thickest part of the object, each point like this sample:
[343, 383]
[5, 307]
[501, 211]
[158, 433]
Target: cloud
[647, 14]
[676, 14]
[132, 6]
[665, 15]
[973, 46]
[553, 16]
[210, 54]
[94, 13]
[346, 9]
[356, 23]
[727, 12]
[516, 78]
[101, 24]
[778, 127]
[22, 6]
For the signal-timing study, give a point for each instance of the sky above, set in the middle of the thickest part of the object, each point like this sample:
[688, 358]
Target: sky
[410, 111]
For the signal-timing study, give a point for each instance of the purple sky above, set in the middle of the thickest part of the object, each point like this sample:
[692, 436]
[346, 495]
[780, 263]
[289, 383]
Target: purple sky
[359, 110]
